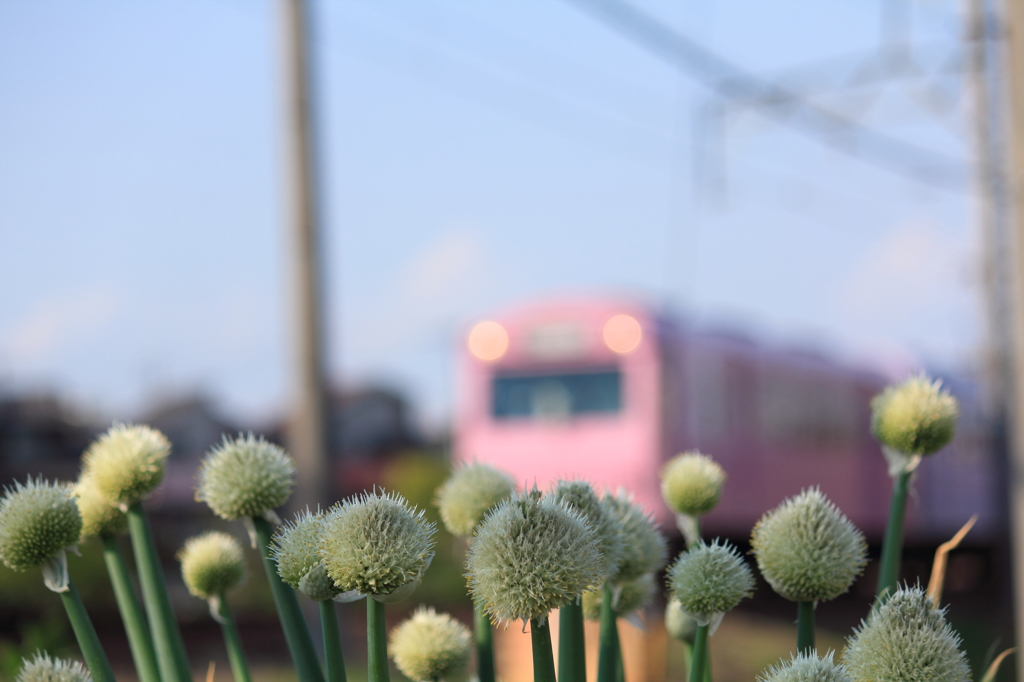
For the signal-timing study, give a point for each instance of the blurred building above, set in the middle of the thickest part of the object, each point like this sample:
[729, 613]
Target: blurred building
[40, 435]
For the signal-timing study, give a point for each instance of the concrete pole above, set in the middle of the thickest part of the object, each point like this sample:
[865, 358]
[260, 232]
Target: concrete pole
[1014, 82]
[307, 429]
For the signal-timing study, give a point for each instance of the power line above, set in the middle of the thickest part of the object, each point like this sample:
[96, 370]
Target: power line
[784, 106]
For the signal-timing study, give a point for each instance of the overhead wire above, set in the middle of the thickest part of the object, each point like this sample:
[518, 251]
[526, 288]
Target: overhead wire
[735, 83]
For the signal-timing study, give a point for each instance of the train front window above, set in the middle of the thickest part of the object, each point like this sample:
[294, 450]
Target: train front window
[556, 396]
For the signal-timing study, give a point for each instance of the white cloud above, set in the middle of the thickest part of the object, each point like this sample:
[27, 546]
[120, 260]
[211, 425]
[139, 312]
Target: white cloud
[917, 287]
[441, 284]
[56, 323]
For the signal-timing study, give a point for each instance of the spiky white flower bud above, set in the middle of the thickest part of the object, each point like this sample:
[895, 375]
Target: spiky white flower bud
[42, 668]
[376, 544]
[710, 580]
[679, 623]
[38, 520]
[530, 555]
[632, 596]
[644, 548]
[431, 646]
[100, 516]
[807, 549]
[906, 639]
[298, 560]
[916, 417]
[126, 463]
[245, 477]
[580, 496]
[469, 493]
[211, 564]
[807, 667]
[691, 483]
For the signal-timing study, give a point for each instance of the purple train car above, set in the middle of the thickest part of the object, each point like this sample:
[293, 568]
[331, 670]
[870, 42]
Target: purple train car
[609, 389]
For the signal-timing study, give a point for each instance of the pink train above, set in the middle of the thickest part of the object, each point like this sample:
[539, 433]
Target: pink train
[610, 389]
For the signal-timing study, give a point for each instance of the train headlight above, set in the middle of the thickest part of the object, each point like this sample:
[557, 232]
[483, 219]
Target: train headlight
[487, 341]
[622, 334]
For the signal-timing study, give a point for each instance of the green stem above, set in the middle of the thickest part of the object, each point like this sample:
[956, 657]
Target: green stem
[607, 652]
[620, 665]
[700, 653]
[332, 642]
[170, 650]
[296, 633]
[572, 653]
[88, 642]
[376, 642]
[484, 644]
[236, 655]
[687, 658]
[805, 627]
[543, 657]
[134, 620]
[888, 573]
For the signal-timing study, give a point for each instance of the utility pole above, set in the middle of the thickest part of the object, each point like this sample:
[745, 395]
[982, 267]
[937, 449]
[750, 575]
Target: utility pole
[1014, 75]
[307, 430]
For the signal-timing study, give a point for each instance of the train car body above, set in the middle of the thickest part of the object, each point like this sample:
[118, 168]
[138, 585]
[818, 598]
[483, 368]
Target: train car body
[609, 389]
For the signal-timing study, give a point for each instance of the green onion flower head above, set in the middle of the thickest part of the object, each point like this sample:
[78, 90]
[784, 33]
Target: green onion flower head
[245, 477]
[710, 580]
[127, 462]
[807, 667]
[807, 549]
[42, 668]
[37, 521]
[530, 555]
[99, 515]
[431, 646]
[469, 493]
[644, 548]
[906, 639]
[579, 496]
[692, 483]
[632, 596]
[298, 560]
[377, 545]
[679, 623]
[211, 564]
[916, 417]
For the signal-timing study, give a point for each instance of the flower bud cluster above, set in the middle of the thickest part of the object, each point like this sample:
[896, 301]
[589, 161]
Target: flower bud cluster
[709, 580]
[807, 549]
[469, 493]
[296, 551]
[906, 639]
[126, 463]
[38, 520]
[530, 555]
[211, 564]
[431, 646]
[376, 544]
[580, 496]
[691, 483]
[100, 516]
[807, 667]
[644, 548]
[245, 477]
[42, 668]
[916, 417]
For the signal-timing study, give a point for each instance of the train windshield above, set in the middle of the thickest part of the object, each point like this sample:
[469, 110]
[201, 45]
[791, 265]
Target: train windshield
[556, 396]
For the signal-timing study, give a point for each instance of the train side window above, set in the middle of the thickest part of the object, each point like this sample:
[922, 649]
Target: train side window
[807, 411]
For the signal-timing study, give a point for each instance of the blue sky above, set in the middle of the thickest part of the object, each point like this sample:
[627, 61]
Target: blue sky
[475, 154]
